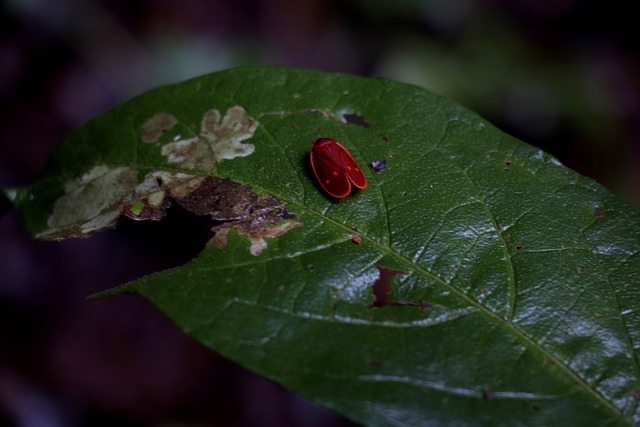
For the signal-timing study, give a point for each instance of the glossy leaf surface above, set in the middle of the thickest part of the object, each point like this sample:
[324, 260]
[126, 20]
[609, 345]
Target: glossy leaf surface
[515, 295]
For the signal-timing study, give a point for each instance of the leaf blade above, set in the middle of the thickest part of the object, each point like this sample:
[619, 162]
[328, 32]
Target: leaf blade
[515, 299]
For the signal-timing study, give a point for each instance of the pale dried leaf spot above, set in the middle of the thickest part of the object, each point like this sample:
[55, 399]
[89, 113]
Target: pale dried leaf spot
[194, 153]
[156, 126]
[258, 244]
[90, 202]
[219, 139]
[150, 199]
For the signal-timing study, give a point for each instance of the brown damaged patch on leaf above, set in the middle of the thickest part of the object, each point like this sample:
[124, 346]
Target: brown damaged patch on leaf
[222, 199]
[235, 206]
[156, 126]
[98, 198]
[229, 204]
[219, 139]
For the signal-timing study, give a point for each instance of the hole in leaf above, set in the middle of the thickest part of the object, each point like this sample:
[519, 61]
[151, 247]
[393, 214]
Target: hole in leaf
[230, 205]
[382, 286]
[172, 242]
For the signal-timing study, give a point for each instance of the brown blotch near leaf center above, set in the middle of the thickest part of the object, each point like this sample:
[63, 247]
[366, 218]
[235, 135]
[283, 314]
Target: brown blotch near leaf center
[231, 205]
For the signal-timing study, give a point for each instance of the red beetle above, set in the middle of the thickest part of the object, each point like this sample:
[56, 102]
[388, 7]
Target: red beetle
[335, 168]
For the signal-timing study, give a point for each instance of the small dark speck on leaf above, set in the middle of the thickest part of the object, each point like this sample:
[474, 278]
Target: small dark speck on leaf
[379, 165]
[356, 119]
[598, 212]
[252, 270]
[376, 363]
[486, 395]
[384, 137]
[518, 248]
[578, 271]
[311, 267]
[508, 163]
[285, 214]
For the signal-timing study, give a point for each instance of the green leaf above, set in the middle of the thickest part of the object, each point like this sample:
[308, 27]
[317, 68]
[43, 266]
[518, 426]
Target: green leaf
[513, 296]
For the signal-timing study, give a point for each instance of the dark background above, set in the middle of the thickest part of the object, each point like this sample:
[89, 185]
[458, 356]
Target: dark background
[562, 75]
